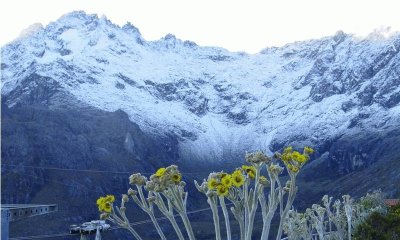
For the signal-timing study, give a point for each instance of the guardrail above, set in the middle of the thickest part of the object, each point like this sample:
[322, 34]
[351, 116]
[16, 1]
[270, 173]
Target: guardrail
[14, 212]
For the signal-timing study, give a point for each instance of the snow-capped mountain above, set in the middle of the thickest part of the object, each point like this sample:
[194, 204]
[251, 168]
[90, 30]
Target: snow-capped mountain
[217, 103]
[84, 93]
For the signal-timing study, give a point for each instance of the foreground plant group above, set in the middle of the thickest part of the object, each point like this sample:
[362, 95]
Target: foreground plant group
[334, 220]
[246, 189]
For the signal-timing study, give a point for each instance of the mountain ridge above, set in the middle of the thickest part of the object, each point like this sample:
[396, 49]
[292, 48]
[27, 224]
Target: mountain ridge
[196, 90]
[218, 104]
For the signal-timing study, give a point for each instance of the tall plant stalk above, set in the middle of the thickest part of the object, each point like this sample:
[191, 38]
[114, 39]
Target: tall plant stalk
[226, 217]
[147, 207]
[288, 205]
[268, 211]
[253, 203]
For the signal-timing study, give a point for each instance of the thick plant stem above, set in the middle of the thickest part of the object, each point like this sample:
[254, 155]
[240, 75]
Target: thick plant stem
[188, 227]
[180, 206]
[253, 205]
[289, 202]
[169, 213]
[268, 212]
[148, 208]
[250, 226]
[226, 216]
[125, 224]
[246, 205]
[267, 218]
[158, 228]
[176, 228]
[134, 233]
[241, 228]
[242, 233]
[214, 209]
[266, 227]
[347, 203]
[239, 218]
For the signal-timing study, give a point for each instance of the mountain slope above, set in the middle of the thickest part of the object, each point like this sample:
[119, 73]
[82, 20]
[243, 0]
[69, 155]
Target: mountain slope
[118, 101]
[213, 100]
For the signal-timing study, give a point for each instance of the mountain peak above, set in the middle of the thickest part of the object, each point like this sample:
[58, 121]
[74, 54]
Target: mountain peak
[78, 15]
[129, 27]
[339, 36]
[169, 36]
[32, 29]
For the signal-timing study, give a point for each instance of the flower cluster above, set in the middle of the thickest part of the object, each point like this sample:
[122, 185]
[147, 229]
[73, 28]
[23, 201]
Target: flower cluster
[137, 179]
[250, 171]
[263, 181]
[243, 188]
[294, 160]
[221, 182]
[163, 179]
[257, 158]
[308, 150]
[336, 220]
[105, 203]
[275, 169]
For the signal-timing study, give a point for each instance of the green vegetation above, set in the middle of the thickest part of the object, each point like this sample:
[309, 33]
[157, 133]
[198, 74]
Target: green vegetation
[380, 226]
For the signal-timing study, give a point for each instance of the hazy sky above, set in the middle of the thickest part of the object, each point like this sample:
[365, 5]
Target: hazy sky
[237, 25]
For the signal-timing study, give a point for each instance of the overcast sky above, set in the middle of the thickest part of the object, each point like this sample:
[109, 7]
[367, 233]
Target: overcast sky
[238, 25]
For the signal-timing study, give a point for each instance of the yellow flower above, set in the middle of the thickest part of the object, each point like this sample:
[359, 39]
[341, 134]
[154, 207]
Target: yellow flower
[176, 178]
[237, 171]
[160, 172]
[263, 180]
[298, 157]
[100, 200]
[295, 154]
[212, 183]
[308, 150]
[100, 203]
[222, 174]
[222, 190]
[109, 199]
[227, 180]
[303, 158]
[237, 179]
[252, 175]
[286, 157]
[287, 154]
[105, 203]
[250, 170]
[287, 150]
[293, 168]
[107, 207]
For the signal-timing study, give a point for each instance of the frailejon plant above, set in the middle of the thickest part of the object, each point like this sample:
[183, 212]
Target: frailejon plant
[246, 188]
[333, 221]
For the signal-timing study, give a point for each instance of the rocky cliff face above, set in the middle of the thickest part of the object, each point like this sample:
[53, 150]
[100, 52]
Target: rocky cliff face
[85, 93]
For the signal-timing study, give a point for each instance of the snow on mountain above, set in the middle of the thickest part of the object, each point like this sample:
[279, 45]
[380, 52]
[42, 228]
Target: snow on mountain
[218, 103]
